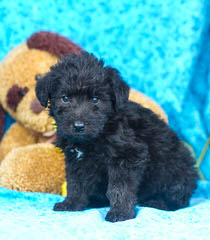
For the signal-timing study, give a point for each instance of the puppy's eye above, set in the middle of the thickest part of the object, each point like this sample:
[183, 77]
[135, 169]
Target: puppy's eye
[38, 77]
[95, 100]
[65, 99]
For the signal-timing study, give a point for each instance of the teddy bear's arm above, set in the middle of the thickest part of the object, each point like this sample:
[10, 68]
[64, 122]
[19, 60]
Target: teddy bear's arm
[147, 102]
[16, 136]
[35, 168]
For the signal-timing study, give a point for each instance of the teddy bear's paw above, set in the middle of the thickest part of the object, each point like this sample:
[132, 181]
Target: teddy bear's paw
[116, 216]
[68, 206]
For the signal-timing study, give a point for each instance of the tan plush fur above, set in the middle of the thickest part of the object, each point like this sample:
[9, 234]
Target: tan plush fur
[28, 162]
[147, 102]
[20, 67]
[17, 136]
[27, 165]
[41, 169]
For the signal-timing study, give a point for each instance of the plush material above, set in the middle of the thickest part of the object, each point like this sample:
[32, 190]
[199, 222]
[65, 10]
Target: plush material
[25, 153]
[33, 174]
[117, 152]
[17, 75]
[147, 102]
[30, 216]
[14, 96]
[52, 43]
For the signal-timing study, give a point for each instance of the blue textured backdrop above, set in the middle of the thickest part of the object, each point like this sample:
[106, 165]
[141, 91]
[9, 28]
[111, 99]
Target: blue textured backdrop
[160, 47]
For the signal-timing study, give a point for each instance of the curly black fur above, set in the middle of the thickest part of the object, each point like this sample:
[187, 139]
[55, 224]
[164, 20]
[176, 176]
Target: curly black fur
[124, 154]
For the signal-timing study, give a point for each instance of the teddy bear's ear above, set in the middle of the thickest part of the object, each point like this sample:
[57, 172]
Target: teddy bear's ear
[2, 119]
[119, 88]
[52, 43]
[43, 90]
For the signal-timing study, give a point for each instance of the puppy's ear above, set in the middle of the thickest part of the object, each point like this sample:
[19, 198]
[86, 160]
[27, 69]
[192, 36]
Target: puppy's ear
[120, 89]
[43, 90]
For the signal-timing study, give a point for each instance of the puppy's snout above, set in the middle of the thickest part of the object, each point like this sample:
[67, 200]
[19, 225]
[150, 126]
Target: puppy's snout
[78, 126]
[36, 107]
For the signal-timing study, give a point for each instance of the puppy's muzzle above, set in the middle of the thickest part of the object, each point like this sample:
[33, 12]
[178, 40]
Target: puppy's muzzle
[78, 126]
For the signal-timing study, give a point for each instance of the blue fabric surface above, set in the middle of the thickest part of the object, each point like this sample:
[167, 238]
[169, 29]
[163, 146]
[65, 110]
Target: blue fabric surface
[30, 216]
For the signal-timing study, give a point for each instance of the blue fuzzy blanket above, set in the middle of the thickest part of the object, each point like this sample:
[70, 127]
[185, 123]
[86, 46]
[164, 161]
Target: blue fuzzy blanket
[27, 216]
[162, 48]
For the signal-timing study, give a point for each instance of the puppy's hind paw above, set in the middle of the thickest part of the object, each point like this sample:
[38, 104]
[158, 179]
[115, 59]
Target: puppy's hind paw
[67, 206]
[116, 216]
[62, 206]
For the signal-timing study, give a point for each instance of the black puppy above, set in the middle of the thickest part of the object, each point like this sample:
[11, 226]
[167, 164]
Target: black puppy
[117, 152]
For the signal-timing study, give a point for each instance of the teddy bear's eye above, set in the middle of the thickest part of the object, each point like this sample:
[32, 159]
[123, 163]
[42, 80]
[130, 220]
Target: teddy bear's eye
[38, 77]
[15, 95]
[65, 99]
[22, 93]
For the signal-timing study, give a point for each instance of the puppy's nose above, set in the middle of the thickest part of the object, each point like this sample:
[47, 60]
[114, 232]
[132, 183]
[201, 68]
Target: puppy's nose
[78, 126]
[36, 107]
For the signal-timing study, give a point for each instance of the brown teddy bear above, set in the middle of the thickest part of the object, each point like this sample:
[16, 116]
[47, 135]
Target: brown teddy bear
[29, 160]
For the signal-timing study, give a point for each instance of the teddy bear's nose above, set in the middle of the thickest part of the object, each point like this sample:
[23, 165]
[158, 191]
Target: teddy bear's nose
[36, 106]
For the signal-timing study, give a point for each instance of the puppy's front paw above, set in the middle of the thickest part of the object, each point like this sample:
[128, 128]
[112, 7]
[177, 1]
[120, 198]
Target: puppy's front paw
[115, 216]
[67, 206]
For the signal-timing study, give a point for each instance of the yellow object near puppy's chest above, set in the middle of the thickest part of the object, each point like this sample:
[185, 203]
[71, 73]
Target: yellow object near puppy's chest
[64, 189]
[64, 185]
